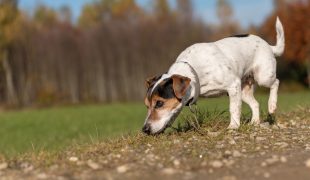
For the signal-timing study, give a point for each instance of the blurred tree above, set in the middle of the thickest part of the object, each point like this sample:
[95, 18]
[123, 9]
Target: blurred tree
[65, 14]
[44, 16]
[224, 11]
[162, 10]
[227, 24]
[105, 10]
[126, 9]
[8, 28]
[185, 10]
[90, 16]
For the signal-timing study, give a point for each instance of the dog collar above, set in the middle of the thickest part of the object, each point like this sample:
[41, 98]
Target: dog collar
[192, 99]
[190, 102]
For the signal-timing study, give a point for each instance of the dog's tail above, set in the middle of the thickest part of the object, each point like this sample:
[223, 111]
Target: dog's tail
[278, 49]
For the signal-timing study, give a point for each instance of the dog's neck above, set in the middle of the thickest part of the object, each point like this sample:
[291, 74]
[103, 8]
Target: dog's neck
[185, 69]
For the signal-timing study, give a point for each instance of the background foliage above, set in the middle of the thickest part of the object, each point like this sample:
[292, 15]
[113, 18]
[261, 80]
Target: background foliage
[116, 44]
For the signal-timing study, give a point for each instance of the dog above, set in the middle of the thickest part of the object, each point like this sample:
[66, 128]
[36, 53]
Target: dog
[232, 66]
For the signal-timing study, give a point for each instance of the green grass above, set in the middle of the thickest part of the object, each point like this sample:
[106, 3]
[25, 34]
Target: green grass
[55, 128]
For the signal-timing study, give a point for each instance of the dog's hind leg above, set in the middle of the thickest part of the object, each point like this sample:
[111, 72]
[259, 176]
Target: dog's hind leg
[234, 92]
[248, 98]
[273, 97]
[265, 75]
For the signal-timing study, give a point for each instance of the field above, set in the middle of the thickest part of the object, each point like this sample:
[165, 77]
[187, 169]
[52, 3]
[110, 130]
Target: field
[104, 142]
[53, 129]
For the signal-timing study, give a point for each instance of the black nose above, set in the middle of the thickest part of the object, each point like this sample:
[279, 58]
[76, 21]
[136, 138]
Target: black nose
[146, 129]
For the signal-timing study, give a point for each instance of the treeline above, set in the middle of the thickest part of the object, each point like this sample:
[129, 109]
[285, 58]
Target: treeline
[105, 56]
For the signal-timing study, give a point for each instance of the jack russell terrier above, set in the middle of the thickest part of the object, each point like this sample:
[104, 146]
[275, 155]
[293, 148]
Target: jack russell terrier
[228, 66]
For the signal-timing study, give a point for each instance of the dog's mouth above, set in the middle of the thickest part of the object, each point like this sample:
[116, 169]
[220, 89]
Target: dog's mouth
[167, 124]
[162, 130]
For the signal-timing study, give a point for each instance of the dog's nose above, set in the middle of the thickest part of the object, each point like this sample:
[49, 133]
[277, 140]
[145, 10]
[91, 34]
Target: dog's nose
[146, 129]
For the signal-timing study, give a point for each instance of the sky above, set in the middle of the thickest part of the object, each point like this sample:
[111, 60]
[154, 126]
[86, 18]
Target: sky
[247, 12]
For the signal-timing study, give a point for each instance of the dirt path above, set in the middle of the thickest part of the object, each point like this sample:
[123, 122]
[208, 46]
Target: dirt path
[267, 152]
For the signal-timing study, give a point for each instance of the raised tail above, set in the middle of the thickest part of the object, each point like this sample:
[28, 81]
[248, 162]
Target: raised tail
[278, 49]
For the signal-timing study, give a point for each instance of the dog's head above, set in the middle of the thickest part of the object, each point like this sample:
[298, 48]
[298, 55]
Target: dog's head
[164, 101]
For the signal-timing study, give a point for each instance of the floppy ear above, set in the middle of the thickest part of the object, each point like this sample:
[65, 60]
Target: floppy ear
[180, 85]
[151, 81]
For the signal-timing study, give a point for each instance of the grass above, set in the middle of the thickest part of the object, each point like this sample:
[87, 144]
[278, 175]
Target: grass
[55, 128]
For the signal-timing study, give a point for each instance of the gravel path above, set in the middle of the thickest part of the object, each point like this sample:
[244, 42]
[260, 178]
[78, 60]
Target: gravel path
[274, 152]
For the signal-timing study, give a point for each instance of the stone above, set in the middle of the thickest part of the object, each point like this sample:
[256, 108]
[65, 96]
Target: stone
[308, 163]
[176, 162]
[236, 153]
[283, 159]
[73, 159]
[168, 171]
[216, 164]
[93, 165]
[122, 169]
[3, 166]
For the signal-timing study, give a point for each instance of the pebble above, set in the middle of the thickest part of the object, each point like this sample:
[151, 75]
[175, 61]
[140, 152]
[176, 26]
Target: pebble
[236, 153]
[283, 159]
[3, 166]
[73, 159]
[213, 134]
[210, 171]
[216, 164]
[227, 152]
[26, 167]
[176, 141]
[93, 165]
[271, 161]
[122, 169]
[281, 126]
[176, 162]
[267, 175]
[42, 176]
[260, 139]
[204, 163]
[281, 144]
[219, 146]
[308, 163]
[232, 141]
[265, 125]
[169, 171]
[229, 178]
[228, 162]
[263, 164]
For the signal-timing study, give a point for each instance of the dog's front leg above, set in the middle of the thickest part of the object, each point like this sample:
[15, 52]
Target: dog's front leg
[234, 92]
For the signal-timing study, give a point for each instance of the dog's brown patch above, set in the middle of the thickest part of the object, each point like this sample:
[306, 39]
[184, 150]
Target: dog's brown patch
[169, 105]
[180, 85]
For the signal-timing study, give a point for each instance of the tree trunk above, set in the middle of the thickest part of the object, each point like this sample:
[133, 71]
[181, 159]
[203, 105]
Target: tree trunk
[11, 96]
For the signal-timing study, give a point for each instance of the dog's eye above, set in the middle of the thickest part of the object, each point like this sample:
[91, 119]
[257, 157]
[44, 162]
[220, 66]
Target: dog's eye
[159, 104]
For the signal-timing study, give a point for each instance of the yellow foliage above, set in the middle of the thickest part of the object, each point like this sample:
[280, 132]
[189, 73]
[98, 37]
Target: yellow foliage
[9, 23]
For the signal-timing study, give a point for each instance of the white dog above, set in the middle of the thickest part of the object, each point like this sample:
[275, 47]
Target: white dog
[231, 65]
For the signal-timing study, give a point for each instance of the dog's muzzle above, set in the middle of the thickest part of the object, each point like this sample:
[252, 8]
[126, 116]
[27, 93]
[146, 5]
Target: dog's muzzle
[147, 129]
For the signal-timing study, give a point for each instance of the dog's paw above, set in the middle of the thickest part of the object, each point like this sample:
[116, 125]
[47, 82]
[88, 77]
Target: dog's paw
[255, 122]
[233, 126]
[272, 107]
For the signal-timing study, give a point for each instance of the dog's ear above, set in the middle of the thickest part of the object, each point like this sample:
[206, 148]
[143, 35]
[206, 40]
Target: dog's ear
[180, 85]
[151, 81]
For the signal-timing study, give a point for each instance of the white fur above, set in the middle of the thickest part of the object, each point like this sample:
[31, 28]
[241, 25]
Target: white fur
[166, 117]
[222, 65]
